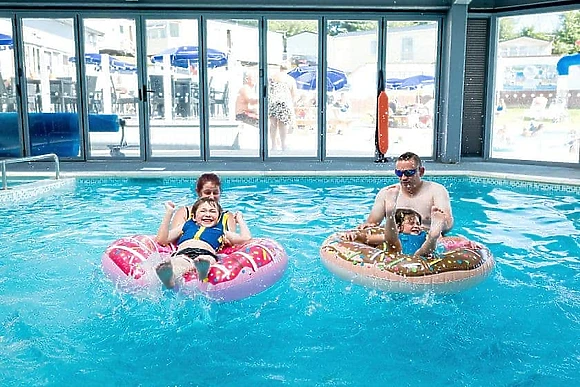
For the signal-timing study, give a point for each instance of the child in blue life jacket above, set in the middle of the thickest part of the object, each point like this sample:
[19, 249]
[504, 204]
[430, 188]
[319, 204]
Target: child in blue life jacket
[198, 240]
[404, 233]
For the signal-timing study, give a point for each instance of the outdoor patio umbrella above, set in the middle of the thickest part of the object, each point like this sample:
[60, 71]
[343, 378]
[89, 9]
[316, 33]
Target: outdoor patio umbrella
[114, 63]
[394, 83]
[184, 56]
[6, 42]
[417, 80]
[307, 78]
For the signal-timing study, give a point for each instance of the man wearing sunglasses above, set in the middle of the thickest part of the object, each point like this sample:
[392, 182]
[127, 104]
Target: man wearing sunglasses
[415, 194]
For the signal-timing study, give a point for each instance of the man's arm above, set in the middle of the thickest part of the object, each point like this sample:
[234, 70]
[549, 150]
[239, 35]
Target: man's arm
[377, 213]
[441, 200]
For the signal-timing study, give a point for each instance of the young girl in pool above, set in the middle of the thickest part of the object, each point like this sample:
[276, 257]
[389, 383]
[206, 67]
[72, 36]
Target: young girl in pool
[197, 240]
[404, 232]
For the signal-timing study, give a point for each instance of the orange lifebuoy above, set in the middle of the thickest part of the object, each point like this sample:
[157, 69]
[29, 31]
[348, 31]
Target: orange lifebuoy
[383, 122]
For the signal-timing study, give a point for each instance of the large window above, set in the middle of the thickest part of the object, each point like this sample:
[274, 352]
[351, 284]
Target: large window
[111, 88]
[9, 140]
[293, 88]
[53, 120]
[216, 87]
[537, 88]
[232, 84]
[411, 66]
[173, 92]
[351, 89]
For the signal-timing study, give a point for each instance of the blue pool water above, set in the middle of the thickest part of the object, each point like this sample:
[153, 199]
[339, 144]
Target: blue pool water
[63, 323]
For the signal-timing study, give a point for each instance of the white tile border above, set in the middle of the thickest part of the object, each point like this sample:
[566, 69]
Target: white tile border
[350, 173]
[27, 191]
[154, 174]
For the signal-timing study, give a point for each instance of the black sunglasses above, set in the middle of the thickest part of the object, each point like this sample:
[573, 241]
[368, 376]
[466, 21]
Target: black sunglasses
[406, 172]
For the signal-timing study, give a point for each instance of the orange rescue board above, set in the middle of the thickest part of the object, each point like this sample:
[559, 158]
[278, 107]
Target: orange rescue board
[383, 122]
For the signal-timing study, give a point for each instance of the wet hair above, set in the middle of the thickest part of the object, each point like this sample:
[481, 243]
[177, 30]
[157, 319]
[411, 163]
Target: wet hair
[410, 156]
[402, 213]
[200, 201]
[205, 178]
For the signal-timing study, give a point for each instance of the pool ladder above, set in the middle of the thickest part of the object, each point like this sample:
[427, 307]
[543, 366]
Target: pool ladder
[27, 159]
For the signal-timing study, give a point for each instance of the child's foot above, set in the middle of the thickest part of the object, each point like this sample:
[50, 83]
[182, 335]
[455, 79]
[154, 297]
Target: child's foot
[202, 264]
[437, 221]
[165, 272]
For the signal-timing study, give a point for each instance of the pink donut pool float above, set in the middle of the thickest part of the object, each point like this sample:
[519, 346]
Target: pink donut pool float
[240, 272]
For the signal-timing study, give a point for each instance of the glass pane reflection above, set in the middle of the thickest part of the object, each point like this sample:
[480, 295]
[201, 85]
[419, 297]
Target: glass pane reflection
[410, 82]
[51, 87]
[111, 87]
[173, 87]
[9, 139]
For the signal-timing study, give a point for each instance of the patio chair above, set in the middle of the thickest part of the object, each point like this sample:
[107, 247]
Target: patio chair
[182, 97]
[156, 99]
[219, 98]
[7, 97]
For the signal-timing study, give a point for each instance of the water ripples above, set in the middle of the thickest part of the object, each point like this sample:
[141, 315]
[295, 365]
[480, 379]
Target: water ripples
[61, 316]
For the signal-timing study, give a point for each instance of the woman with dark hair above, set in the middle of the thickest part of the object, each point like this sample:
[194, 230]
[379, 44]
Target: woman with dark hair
[208, 186]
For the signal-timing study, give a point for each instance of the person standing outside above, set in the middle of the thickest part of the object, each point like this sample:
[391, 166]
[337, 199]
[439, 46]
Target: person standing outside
[281, 96]
[247, 102]
[414, 193]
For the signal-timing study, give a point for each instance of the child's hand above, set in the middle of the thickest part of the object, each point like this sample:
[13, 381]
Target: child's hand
[350, 236]
[238, 217]
[366, 225]
[169, 206]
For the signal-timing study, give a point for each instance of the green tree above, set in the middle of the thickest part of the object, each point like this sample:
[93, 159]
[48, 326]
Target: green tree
[336, 27]
[507, 29]
[399, 24]
[530, 32]
[568, 34]
[293, 27]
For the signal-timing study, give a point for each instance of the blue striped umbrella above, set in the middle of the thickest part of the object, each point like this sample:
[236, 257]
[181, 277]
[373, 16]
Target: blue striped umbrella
[185, 56]
[307, 78]
[6, 42]
[114, 63]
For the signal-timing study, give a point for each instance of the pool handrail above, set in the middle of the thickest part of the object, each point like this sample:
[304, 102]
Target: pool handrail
[26, 159]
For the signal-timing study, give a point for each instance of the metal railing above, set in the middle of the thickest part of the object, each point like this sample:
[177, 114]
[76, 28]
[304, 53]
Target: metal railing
[26, 159]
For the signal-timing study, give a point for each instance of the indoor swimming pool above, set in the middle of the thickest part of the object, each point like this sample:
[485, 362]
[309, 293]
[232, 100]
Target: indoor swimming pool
[62, 321]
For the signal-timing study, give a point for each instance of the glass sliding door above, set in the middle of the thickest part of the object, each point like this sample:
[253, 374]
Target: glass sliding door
[292, 88]
[173, 87]
[351, 87]
[10, 144]
[111, 87]
[411, 64]
[51, 88]
[233, 54]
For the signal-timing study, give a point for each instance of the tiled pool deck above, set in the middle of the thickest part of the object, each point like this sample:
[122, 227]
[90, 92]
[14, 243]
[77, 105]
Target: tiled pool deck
[547, 177]
[545, 174]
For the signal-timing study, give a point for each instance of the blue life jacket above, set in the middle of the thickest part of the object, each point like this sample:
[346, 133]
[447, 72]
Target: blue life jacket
[411, 243]
[213, 236]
